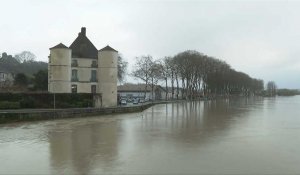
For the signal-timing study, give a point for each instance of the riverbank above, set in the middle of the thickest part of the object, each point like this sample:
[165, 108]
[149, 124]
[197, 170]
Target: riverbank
[19, 115]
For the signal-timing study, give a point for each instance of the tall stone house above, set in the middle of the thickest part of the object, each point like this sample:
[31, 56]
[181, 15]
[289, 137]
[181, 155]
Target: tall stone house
[82, 68]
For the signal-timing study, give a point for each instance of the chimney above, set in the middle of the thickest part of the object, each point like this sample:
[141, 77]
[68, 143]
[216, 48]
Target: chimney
[83, 31]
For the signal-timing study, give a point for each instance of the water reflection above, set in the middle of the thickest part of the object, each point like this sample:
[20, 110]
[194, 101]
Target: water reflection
[209, 137]
[79, 148]
[195, 121]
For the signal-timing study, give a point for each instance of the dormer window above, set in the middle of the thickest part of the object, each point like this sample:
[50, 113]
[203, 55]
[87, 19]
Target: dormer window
[74, 63]
[94, 64]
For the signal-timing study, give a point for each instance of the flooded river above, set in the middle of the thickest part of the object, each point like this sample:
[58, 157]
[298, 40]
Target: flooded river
[237, 136]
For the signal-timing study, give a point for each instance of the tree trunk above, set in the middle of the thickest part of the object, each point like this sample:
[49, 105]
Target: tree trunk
[177, 93]
[152, 89]
[166, 89]
[172, 81]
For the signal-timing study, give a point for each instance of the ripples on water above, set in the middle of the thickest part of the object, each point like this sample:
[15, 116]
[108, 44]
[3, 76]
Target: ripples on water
[241, 136]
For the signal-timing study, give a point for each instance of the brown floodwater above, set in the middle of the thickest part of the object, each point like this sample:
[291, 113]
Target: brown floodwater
[236, 136]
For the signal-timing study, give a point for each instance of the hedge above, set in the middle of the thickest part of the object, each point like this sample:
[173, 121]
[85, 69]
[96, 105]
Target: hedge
[44, 100]
[9, 105]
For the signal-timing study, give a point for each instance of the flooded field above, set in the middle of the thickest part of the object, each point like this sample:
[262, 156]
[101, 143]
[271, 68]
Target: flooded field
[236, 136]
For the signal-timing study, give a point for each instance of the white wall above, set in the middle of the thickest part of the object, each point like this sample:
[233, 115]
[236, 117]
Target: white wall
[6, 77]
[135, 94]
[59, 70]
[85, 62]
[84, 74]
[60, 74]
[84, 87]
[139, 95]
[107, 77]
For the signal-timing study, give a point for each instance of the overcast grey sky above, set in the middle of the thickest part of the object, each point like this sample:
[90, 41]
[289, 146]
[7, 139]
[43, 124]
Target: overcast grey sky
[259, 38]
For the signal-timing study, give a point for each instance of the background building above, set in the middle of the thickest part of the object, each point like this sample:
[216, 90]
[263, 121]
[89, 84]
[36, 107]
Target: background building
[6, 79]
[139, 91]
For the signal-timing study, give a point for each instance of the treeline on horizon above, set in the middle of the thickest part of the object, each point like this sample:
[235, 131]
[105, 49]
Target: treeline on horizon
[287, 92]
[197, 75]
[28, 73]
[194, 73]
[24, 62]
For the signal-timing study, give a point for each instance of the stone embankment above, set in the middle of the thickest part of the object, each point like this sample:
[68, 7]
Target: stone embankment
[48, 114]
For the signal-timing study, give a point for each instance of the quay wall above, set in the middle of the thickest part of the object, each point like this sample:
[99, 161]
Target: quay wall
[7, 116]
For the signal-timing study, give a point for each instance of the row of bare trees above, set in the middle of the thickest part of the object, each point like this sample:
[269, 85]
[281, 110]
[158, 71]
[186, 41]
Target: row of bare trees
[195, 75]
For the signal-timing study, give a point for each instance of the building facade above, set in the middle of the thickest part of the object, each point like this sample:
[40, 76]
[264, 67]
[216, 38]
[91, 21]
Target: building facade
[139, 91]
[81, 68]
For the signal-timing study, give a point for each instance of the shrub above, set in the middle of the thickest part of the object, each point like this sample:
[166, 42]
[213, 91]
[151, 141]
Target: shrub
[27, 102]
[9, 105]
[45, 100]
[10, 96]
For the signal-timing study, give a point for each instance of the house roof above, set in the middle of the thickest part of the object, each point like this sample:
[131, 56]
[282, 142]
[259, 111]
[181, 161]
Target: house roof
[137, 88]
[82, 47]
[108, 48]
[59, 46]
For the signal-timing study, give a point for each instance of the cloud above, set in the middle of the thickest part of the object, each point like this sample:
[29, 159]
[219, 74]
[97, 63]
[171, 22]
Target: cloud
[259, 38]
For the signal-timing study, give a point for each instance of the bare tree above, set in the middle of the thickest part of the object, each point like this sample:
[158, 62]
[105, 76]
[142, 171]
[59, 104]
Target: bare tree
[122, 68]
[204, 75]
[155, 74]
[25, 56]
[142, 69]
[200, 75]
[165, 71]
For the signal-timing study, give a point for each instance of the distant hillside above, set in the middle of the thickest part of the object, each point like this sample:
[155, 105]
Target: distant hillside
[11, 64]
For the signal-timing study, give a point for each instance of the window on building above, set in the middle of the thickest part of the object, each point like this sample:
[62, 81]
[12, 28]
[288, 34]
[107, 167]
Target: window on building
[74, 75]
[93, 89]
[74, 63]
[74, 88]
[93, 76]
[94, 64]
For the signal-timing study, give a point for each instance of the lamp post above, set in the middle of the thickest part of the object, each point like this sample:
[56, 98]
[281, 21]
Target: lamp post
[54, 100]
